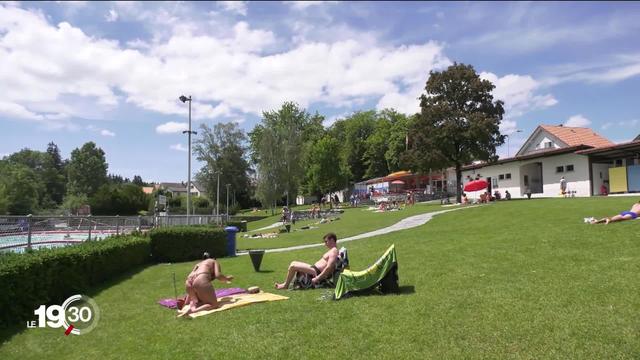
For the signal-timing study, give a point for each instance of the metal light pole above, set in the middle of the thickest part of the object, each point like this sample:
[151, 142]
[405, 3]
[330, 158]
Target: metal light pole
[228, 201]
[189, 133]
[218, 200]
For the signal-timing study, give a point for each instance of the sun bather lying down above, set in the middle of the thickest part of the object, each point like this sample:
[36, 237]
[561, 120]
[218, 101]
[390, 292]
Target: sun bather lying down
[625, 215]
[200, 293]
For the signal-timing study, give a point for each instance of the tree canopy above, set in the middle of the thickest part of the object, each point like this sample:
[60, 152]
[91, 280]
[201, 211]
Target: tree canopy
[458, 122]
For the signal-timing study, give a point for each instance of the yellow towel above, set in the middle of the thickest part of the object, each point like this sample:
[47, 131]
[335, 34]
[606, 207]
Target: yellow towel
[234, 301]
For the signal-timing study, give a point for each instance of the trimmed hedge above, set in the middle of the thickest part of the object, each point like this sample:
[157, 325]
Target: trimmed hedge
[185, 243]
[49, 276]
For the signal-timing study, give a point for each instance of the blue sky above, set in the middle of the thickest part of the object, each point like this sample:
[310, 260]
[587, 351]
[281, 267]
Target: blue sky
[111, 72]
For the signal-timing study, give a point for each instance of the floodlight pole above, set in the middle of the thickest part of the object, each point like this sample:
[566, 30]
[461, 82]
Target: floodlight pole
[189, 133]
[228, 201]
[218, 200]
[508, 137]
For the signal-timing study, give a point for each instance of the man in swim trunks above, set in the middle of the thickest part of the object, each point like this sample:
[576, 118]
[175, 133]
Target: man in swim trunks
[625, 215]
[200, 293]
[319, 271]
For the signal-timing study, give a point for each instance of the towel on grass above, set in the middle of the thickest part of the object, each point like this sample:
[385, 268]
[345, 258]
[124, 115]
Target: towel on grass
[171, 303]
[238, 300]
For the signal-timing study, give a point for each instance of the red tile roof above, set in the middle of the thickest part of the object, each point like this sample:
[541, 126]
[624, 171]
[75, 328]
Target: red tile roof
[574, 136]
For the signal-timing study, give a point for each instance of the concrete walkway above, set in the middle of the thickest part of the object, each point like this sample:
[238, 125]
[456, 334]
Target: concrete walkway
[407, 223]
[274, 225]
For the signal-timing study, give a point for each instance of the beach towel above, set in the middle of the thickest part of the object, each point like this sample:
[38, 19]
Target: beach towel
[383, 274]
[171, 303]
[238, 300]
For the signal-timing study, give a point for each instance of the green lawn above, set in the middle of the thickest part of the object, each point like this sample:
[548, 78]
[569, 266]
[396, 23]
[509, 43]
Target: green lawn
[519, 279]
[352, 222]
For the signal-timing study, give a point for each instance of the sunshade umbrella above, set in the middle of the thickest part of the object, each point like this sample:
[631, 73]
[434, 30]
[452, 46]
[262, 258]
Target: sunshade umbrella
[476, 185]
[397, 182]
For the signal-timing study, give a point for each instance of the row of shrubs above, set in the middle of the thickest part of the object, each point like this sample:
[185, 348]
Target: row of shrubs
[49, 276]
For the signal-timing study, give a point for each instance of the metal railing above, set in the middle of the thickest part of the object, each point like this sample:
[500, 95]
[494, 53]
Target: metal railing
[32, 232]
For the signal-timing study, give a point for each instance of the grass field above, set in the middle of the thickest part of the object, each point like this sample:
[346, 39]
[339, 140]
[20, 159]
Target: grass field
[352, 222]
[518, 279]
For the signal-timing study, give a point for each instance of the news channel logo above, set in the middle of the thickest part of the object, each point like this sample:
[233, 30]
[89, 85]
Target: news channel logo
[78, 315]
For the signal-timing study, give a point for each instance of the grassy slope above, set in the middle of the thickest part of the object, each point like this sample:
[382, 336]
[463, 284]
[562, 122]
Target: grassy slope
[524, 279]
[352, 222]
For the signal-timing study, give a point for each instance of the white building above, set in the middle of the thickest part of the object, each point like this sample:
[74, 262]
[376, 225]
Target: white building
[584, 158]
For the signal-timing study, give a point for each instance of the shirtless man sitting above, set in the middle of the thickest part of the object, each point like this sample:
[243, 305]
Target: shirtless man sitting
[625, 215]
[200, 293]
[321, 270]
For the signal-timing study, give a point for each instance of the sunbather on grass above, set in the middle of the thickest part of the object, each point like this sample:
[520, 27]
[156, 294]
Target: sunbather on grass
[321, 270]
[625, 215]
[200, 293]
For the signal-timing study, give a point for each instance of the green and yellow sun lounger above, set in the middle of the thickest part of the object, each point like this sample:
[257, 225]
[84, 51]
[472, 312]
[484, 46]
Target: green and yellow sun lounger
[383, 273]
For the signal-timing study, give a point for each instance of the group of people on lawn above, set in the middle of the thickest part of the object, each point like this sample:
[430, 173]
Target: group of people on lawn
[201, 295]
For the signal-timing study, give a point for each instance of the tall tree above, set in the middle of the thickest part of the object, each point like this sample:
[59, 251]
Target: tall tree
[54, 176]
[323, 173]
[353, 132]
[458, 122]
[87, 170]
[137, 180]
[22, 188]
[223, 149]
[277, 145]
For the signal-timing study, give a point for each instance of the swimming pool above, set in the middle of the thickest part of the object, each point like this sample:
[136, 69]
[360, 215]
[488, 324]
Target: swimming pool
[48, 239]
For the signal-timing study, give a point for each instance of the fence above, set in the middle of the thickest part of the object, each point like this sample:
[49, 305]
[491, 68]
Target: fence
[32, 232]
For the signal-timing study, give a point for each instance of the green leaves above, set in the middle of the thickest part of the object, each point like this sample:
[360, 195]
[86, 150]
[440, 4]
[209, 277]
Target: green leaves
[87, 170]
[458, 123]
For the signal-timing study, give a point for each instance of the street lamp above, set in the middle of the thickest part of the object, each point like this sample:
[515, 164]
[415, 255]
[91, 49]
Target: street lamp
[228, 201]
[184, 99]
[508, 137]
[218, 199]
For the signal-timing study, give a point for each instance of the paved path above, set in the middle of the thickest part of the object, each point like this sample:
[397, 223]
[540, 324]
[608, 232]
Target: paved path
[407, 223]
[274, 225]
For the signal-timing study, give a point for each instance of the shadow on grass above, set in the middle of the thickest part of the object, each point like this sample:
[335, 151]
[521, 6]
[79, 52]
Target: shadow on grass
[374, 291]
[7, 333]
[264, 271]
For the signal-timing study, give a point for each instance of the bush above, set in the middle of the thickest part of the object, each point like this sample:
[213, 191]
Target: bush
[185, 243]
[49, 276]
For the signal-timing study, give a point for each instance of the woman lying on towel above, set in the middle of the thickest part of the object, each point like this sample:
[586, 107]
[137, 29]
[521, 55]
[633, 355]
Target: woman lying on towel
[200, 293]
[625, 215]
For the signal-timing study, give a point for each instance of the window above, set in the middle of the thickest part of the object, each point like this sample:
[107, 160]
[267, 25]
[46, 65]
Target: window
[560, 169]
[569, 168]
[508, 176]
[618, 162]
[501, 176]
[548, 145]
[494, 182]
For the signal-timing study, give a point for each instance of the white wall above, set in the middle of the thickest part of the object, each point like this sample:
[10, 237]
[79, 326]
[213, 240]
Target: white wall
[600, 174]
[538, 143]
[577, 180]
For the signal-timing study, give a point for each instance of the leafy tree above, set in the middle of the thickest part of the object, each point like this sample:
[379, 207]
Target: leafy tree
[353, 132]
[223, 149]
[21, 188]
[73, 202]
[325, 175]
[118, 199]
[54, 174]
[87, 170]
[137, 179]
[277, 149]
[4, 204]
[458, 123]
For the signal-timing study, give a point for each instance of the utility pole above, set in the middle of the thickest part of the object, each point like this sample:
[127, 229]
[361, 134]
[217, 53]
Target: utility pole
[218, 199]
[228, 201]
[189, 133]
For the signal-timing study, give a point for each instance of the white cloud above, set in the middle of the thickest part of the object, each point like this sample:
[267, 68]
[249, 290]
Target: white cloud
[238, 7]
[111, 16]
[508, 127]
[178, 147]
[172, 127]
[631, 124]
[105, 132]
[519, 93]
[228, 74]
[303, 5]
[577, 121]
